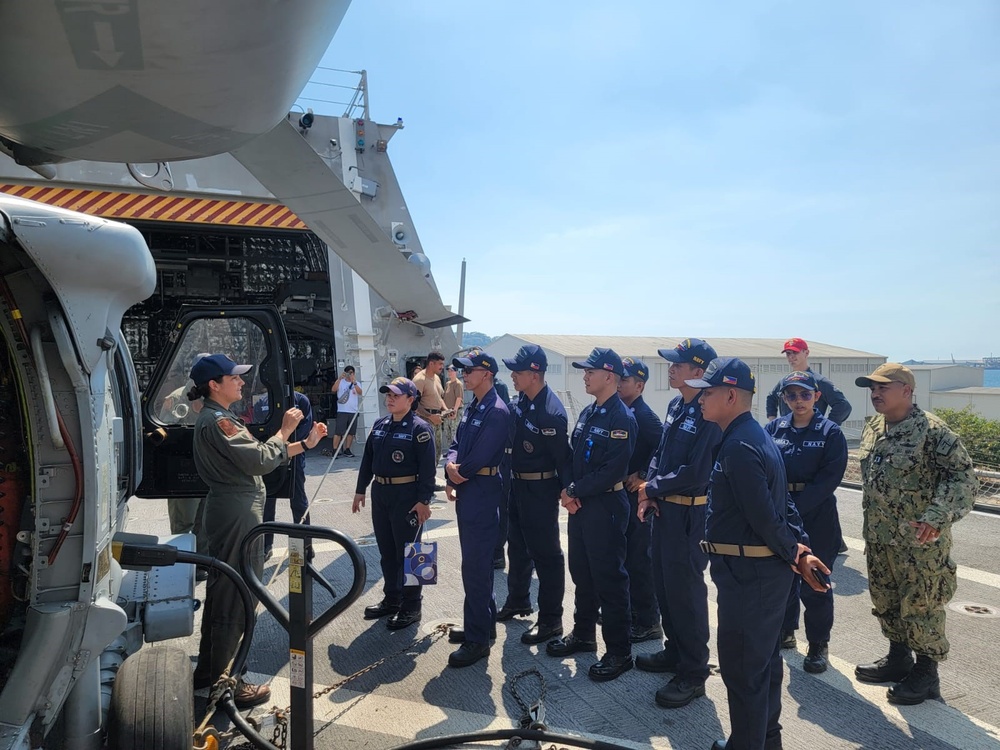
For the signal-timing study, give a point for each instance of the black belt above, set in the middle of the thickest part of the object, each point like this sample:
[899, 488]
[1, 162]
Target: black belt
[534, 476]
[396, 480]
[796, 486]
[488, 471]
[736, 550]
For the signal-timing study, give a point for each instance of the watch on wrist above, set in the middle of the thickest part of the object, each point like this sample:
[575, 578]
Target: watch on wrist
[571, 490]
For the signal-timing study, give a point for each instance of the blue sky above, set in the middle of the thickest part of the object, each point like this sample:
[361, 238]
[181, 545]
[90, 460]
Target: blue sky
[765, 169]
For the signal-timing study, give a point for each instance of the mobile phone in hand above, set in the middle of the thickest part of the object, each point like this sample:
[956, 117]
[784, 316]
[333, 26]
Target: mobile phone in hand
[821, 577]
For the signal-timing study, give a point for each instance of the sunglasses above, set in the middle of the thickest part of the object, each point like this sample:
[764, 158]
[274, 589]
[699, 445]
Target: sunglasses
[470, 370]
[798, 395]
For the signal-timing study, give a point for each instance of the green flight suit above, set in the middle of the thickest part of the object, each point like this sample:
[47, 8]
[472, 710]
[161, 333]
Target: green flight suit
[914, 470]
[231, 462]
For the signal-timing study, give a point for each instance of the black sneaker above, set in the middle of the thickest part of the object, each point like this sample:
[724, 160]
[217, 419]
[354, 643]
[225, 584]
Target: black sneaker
[347, 452]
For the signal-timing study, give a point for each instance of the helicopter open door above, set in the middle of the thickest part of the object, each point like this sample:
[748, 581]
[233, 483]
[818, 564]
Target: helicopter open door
[250, 334]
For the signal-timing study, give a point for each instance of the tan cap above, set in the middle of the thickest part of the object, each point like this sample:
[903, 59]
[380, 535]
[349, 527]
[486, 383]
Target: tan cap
[890, 372]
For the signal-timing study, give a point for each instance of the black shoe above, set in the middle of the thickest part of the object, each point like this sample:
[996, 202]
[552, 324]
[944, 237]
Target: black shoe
[402, 620]
[679, 692]
[347, 452]
[570, 644]
[643, 633]
[201, 574]
[440, 487]
[457, 634]
[467, 654]
[540, 633]
[770, 743]
[816, 660]
[920, 684]
[381, 609]
[508, 612]
[499, 562]
[893, 667]
[661, 661]
[610, 667]
[788, 639]
[843, 548]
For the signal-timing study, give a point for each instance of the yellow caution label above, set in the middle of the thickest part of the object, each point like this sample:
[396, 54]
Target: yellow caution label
[296, 668]
[295, 579]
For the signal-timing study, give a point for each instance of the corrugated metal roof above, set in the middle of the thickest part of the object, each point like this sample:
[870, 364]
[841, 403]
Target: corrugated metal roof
[931, 367]
[973, 390]
[646, 346]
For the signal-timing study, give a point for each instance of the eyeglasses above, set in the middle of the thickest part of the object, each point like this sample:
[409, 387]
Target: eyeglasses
[798, 395]
[470, 370]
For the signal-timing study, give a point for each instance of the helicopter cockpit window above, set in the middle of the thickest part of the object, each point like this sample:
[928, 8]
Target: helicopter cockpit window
[240, 339]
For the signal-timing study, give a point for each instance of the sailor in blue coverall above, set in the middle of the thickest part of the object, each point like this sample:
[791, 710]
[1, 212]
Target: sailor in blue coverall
[639, 556]
[815, 453]
[594, 495]
[400, 456]
[754, 539]
[540, 455]
[474, 483]
[676, 491]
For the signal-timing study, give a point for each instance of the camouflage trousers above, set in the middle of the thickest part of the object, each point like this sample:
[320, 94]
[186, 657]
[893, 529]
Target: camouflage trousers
[448, 429]
[909, 586]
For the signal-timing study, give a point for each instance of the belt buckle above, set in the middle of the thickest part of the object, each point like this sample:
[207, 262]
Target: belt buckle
[706, 547]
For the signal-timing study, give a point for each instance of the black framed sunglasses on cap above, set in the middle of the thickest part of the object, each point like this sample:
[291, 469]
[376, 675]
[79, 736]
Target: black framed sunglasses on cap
[470, 370]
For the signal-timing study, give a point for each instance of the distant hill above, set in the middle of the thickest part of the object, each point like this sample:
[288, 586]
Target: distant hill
[475, 338]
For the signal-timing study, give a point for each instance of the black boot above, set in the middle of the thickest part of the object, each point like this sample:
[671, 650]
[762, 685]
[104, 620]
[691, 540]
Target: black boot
[920, 684]
[890, 668]
[816, 660]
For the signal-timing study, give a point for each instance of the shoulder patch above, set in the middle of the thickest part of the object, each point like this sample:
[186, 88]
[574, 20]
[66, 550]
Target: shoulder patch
[423, 437]
[947, 443]
[228, 428]
[619, 434]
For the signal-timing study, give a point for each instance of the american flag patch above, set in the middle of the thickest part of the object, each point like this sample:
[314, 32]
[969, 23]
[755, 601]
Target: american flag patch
[728, 380]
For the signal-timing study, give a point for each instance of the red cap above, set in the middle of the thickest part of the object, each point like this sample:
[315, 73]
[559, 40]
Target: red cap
[795, 345]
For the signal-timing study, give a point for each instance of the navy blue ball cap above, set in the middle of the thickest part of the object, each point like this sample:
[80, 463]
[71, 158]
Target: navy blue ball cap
[401, 387]
[801, 379]
[602, 359]
[215, 366]
[693, 351]
[635, 368]
[529, 357]
[727, 372]
[477, 358]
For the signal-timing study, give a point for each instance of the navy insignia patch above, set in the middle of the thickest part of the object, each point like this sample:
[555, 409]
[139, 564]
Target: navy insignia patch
[423, 437]
[528, 447]
[227, 427]
[397, 456]
[619, 434]
[548, 431]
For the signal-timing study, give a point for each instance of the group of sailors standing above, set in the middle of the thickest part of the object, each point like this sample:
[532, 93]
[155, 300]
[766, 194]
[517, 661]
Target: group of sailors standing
[650, 506]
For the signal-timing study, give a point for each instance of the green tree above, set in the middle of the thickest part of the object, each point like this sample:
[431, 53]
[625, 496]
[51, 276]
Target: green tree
[981, 436]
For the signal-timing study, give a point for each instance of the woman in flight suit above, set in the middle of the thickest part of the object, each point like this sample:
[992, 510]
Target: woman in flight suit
[231, 462]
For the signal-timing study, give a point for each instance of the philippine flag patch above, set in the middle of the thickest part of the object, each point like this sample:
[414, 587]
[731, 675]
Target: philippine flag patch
[728, 380]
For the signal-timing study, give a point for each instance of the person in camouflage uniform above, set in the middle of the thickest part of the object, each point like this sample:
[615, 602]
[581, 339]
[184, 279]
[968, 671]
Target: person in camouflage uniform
[917, 480]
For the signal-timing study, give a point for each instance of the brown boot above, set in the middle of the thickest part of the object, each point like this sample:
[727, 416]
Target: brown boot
[248, 694]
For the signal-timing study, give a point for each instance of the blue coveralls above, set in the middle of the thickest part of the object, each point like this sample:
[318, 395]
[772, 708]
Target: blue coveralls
[748, 504]
[298, 501]
[680, 469]
[504, 395]
[479, 444]
[638, 536]
[815, 456]
[602, 442]
[398, 450]
[539, 447]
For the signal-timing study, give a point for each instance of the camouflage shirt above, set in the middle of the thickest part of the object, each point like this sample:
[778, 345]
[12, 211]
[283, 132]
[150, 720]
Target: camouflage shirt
[915, 470]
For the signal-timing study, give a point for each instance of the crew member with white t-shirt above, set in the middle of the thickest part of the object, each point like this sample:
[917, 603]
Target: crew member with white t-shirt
[348, 391]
